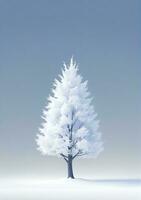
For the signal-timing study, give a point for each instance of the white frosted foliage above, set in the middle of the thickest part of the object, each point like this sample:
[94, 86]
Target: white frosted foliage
[70, 126]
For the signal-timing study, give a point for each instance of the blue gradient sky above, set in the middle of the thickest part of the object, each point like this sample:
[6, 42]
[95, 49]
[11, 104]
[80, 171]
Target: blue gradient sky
[104, 37]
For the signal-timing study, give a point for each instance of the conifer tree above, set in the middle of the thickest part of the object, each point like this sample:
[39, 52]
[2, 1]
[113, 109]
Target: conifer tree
[70, 127]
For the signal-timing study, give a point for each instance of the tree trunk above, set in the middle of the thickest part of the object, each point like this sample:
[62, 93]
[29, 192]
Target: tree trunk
[70, 168]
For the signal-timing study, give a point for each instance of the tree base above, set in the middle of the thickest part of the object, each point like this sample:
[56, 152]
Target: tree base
[71, 177]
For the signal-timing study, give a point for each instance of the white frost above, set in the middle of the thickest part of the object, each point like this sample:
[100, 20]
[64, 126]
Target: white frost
[70, 125]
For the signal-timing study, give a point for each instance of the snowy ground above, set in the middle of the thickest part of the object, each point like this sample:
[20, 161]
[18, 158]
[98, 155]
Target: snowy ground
[64, 189]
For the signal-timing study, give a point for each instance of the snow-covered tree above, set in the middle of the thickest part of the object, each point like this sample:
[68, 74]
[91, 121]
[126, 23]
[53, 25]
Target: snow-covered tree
[70, 127]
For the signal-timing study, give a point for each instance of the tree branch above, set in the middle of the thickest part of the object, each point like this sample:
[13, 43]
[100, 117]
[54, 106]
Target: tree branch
[78, 154]
[65, 157]
[74, 143]
[75, 155]
[83, 154]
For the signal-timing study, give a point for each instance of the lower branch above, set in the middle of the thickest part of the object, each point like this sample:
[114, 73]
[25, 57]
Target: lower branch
[79, 154]
[65, 157]
[83, 154]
